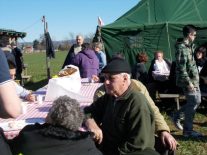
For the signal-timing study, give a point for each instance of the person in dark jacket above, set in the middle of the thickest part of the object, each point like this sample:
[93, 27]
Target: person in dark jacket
[201, 61]
[122, 121]
[60, 134]
[87, 62]
[19, 61]
[139, 71]
[74, 50]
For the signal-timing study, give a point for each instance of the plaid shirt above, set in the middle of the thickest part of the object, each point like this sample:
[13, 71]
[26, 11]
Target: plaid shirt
[186, 70]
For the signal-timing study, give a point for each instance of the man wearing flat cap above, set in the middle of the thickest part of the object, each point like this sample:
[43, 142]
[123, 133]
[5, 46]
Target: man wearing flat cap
[121, 120]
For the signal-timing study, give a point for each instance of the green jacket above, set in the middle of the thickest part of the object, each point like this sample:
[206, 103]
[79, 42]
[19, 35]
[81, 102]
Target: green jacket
[127, 123]
[186, 70]
[160, 123]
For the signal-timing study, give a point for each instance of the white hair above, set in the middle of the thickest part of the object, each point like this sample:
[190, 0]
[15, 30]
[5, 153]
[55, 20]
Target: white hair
[128, 77]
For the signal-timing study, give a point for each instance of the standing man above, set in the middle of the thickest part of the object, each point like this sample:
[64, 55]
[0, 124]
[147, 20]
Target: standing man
[121, 120]
[74, 50]
[187, 78]
[19, 61]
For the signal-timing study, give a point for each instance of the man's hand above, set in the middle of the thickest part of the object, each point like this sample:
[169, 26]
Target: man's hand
[168, 140]
[93, 127]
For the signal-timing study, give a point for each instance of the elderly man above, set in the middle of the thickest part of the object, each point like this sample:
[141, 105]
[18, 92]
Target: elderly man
[122, 121]
[165, 143]
[59, 135]
[74, 50]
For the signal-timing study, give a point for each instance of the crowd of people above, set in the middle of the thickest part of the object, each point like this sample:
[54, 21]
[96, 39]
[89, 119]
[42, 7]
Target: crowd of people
[123, 118]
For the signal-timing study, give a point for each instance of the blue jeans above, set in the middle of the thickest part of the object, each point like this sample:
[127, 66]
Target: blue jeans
[193, 100]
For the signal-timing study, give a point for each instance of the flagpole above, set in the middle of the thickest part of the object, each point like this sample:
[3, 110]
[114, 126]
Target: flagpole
[47, 58]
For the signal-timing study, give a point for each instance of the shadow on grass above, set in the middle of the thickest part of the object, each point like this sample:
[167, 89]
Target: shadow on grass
[36, 85]
[202, 124]
[182, 138]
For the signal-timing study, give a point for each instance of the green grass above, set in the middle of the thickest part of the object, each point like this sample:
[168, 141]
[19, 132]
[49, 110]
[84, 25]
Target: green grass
[37, 68]
[188, 146]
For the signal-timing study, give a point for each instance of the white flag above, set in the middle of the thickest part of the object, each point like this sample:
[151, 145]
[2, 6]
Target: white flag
[100, 22]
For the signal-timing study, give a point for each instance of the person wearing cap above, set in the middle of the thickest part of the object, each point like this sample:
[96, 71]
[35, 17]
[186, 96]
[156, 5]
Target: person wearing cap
[121, 120]
[165, 143]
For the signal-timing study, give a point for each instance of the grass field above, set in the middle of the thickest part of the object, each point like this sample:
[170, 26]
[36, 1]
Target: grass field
[37, 68]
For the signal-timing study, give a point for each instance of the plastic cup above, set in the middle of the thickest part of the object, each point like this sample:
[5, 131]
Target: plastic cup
[39, 99]
[24, 107]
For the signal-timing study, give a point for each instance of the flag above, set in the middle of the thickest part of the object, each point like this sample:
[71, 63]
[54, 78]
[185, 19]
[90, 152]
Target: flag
[100, 22]
[49, 46]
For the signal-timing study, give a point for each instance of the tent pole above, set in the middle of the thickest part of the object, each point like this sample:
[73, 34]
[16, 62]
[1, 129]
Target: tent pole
[168, 39]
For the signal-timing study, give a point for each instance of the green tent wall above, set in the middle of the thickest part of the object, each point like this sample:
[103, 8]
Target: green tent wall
[154, 25]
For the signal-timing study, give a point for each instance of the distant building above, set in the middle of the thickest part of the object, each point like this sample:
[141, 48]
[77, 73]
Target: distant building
[28, 49]
[8, 36]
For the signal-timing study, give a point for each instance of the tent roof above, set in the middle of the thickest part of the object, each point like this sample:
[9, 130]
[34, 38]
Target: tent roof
[158, 11]
[12, 33]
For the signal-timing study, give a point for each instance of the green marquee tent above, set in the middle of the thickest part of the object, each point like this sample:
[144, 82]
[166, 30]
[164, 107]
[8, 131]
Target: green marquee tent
[153, 25]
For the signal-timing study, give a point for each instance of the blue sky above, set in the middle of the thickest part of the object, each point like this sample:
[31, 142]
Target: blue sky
[64, 17]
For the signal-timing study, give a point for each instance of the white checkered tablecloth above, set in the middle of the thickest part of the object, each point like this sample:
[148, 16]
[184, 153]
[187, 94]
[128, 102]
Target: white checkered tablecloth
[39, 112]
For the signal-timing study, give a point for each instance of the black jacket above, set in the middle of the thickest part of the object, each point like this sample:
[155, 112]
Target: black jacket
[52, 140]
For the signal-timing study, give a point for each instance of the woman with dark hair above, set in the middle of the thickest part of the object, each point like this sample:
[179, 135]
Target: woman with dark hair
[200, 57]
[139, 71]
[59, 135]
[201, 63]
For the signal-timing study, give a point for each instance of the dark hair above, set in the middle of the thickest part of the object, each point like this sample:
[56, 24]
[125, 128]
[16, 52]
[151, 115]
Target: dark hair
[201, 49]
[142, 57]
[66, 112]
[10, 59]
[86, 46]
[11, 64]
[188, 29]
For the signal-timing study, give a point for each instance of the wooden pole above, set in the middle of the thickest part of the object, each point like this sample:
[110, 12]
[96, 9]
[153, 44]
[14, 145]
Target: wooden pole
[47, 58]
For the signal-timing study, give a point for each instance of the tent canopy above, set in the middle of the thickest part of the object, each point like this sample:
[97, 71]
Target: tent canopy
[154, 25]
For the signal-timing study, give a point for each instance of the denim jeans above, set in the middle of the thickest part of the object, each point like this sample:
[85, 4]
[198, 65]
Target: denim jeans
[193, 100]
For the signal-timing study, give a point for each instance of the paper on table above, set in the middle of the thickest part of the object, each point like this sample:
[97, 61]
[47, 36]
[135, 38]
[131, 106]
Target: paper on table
[13, 125]
[19, 124]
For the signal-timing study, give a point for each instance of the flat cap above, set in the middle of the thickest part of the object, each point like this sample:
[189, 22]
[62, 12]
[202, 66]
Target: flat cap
[116, 66]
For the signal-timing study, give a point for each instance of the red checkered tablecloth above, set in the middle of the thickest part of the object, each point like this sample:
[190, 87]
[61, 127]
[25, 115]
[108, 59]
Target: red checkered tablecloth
[39, 112]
